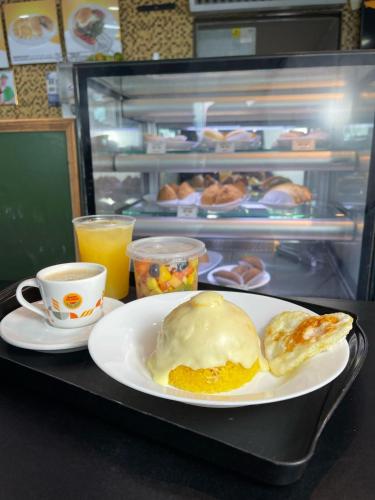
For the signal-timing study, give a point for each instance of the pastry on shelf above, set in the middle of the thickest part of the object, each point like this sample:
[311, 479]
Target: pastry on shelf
[252, 260]
[167, 193]
[174, 186]
[273, 181]
[184, 190]
[240, 135]
[287, 194]
[227, 194]
[244, 273]
[285, 140]
[212, 135]
[218, 194]
[299, 194]
[209, 180]
[232, 277]
[209, 195]
[241, 187]
[197, 181]
[131, 185]
[237, 180]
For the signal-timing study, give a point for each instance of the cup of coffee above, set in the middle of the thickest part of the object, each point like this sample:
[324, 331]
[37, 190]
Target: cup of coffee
[72, 293]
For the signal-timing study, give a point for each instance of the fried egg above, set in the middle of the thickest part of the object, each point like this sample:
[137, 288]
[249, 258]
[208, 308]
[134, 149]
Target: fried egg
[292, 337]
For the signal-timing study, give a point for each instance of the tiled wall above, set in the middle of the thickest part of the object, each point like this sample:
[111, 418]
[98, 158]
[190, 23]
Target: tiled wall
[170, 33]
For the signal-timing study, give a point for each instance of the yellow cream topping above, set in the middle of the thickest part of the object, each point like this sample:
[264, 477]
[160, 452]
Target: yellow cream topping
[205, 332]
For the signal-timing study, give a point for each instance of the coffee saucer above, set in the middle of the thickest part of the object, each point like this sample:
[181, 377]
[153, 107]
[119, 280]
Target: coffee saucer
[23, 328]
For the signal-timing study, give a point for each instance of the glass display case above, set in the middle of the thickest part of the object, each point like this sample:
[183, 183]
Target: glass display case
[259, 157]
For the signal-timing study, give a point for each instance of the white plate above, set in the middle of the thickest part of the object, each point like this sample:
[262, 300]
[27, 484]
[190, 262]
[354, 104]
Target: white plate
[214, 259]
[121, 342]
[35, 40]
[23, 328]
[261, 280]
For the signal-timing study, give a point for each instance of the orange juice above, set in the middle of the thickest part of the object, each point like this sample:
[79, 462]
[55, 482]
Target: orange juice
[104, 240]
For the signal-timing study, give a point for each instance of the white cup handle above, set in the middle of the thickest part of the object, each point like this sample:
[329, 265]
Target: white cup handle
[24, 302]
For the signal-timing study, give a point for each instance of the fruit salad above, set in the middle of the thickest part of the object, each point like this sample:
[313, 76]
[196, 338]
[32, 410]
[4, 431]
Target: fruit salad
[165, 264]
[153, 278]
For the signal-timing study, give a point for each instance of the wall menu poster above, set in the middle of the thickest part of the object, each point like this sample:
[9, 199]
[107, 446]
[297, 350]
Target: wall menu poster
[3, 53]
[33, 32]
[92, 30]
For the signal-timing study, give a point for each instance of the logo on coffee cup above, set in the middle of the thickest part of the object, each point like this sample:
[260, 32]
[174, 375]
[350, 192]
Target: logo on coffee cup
[72, 300]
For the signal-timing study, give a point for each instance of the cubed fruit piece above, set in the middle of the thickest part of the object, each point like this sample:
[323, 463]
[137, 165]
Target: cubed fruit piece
[141, 267]
[191, 279]
[174, 282]
[165, 275]
[194, 263]
[180, 288]
[152, 283]
[190, 270]
[143, 291]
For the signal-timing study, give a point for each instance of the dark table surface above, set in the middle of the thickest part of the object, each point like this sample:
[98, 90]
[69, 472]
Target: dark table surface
[49, 450]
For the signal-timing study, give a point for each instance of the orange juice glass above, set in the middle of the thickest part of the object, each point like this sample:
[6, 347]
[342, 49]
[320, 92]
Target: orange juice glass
[104, 239]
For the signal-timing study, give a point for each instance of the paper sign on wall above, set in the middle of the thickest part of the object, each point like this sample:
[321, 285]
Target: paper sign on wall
[92, 30]
[33, 32]
[7, 88]
[3, 53]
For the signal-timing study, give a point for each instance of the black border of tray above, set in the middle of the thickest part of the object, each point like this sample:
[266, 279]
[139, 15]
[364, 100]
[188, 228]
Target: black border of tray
[272, 443]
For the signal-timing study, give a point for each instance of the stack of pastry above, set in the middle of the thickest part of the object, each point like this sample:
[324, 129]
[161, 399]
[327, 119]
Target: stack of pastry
[218, 194]
[233, 188]
[170, 192]
[244, 273]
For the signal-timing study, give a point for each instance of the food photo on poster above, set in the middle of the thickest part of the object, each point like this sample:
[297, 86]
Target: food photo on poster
[92, 30]
[33, 34]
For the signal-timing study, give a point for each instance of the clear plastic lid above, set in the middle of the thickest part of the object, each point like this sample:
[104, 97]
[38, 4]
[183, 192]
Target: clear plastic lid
[166, 248]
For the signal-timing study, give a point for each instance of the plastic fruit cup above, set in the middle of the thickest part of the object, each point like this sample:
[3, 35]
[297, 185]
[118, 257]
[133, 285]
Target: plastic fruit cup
[165, 264]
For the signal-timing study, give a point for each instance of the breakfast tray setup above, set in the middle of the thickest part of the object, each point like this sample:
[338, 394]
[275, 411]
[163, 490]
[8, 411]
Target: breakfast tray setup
[272, 443]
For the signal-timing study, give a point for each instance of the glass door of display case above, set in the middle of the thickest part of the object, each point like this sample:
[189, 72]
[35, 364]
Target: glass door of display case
[265, 158]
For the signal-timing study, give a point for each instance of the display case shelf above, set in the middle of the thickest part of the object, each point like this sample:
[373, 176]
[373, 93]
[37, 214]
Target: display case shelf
[254, 161]
[329, 229]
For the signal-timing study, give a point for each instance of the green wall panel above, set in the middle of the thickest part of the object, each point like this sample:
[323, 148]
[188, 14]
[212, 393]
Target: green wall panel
[35, 205]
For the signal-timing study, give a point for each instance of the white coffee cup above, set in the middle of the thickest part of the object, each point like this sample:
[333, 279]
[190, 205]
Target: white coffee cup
[72, 293]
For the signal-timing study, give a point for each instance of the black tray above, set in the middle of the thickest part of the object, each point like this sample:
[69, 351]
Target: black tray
[272, 443]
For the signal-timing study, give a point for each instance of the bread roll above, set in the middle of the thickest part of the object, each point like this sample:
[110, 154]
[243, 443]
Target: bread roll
[252, 260]
[230, 276]
[250, 275]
